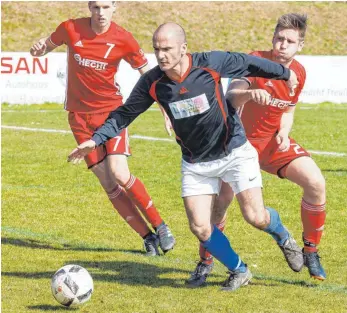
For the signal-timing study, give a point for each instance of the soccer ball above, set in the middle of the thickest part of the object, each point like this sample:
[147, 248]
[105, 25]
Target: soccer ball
[72, 285]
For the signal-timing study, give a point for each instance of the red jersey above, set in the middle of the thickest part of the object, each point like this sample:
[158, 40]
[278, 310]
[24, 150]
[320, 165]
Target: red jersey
[93, 62]
[262, 121]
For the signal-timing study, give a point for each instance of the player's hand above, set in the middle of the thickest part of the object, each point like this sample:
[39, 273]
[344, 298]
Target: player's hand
[292, 83]
[260, 96]
[168, 125]
[39, 48]
[283, 141]
[78, 154]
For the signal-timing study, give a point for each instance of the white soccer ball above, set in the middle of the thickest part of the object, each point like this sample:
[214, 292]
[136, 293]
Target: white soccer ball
[72, 285]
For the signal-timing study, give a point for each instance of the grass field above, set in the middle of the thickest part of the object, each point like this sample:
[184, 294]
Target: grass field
[54, 213]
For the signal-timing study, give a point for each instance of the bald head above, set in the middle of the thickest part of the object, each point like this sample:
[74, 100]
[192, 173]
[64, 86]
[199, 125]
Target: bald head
[171, 31]
[170, 47]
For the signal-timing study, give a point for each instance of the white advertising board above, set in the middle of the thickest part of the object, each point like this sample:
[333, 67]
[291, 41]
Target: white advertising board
[28, 80]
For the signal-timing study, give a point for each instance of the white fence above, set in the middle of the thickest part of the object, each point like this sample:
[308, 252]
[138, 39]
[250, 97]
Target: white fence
[28, 80]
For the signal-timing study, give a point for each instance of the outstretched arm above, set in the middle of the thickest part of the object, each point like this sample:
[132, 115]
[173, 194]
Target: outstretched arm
[239, 93]
[138, 102]
[239, 65]
[42, 47]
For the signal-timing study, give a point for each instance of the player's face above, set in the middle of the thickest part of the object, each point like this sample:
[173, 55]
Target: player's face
[101, 12]
[168, 51]
[285, 44]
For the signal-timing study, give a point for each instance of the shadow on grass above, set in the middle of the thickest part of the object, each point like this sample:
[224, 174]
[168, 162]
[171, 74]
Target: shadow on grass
[342, 170]
[261, 280]
[47, 307]
[123, 272]
[156, 276]
[37, 244]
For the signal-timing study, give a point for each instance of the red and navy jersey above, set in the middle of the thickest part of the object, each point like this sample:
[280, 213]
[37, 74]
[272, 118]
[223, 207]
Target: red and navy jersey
[206, 125]
[93, 61]
[263, 121]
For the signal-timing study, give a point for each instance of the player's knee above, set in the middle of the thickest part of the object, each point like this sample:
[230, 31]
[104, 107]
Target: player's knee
[202, 232]
[257, 219]
[121, 176]
[316, 184]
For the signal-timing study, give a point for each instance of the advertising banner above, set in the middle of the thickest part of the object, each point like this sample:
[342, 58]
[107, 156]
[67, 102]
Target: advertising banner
[31, 80]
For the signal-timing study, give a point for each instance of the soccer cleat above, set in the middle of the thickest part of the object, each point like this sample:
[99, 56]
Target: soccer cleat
[166, 239]
[237, 278]
[151, 243]
[311, 260]
[293, 254]
[199, 276]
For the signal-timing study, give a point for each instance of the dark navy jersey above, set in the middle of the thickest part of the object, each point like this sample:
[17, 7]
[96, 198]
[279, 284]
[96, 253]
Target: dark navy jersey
[206, 125]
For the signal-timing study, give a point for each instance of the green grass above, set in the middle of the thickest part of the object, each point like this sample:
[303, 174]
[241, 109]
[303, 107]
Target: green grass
[54, 213]
[224, 25]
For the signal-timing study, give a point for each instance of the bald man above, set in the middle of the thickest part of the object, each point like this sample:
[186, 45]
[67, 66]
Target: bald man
[213, 143]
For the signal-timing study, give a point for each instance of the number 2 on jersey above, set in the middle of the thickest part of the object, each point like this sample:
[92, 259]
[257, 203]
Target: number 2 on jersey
[296, 148]
[111, 46]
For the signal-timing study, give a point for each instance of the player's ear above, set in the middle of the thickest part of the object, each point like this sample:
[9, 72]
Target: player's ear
[301, 45]
[184, 48]
[113, 6]
[273, 39]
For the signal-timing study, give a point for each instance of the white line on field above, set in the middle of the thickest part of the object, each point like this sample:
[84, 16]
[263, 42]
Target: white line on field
[314, 108]
[47, 130]
[328, 153]
[49, 111]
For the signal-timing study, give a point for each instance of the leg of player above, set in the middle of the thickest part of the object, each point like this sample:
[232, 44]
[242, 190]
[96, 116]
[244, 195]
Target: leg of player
[127, 210]
[268, 220]
[305, 173]
[198, 209]
[218, 218]
[135, 189]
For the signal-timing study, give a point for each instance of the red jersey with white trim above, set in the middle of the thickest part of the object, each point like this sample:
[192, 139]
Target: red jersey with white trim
[93, 62]
[262, 121]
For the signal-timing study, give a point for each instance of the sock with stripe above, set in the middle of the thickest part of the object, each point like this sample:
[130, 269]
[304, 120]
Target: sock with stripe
[219, 246]
[205, 256]
[276, 228]
[127, 210]
[139, 195]
[313, 219]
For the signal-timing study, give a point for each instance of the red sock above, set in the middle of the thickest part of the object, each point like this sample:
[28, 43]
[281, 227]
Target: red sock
[138, 194]
[313, 218]
[205, 256]
[128, 211]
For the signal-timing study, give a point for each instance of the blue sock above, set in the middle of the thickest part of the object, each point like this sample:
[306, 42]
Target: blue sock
[276, 228]
[219, 246]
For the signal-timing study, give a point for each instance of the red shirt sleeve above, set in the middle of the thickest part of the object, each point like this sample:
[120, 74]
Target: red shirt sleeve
[59, 36]
[135, 55]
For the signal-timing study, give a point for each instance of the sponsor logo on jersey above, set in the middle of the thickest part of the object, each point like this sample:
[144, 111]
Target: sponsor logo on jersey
[90, 63]
[279, 103]
[79, 44]
[189, 107]
[269, 83]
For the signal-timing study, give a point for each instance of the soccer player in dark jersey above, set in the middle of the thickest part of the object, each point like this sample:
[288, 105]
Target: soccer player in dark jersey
[96, 45]
[267, 110]
[213, 143]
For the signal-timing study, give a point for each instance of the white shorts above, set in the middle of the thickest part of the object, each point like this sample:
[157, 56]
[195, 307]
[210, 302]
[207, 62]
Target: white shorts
[240, 169]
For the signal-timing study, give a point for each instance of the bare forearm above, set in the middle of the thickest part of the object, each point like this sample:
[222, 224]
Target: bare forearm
[286, 122]
[238, 97]
[42, 47]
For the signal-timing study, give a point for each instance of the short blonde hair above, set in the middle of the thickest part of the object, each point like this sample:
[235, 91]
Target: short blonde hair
[293, 21]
